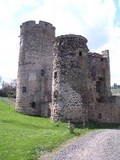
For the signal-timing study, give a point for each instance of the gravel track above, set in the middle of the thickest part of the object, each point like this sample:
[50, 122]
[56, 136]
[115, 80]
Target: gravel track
[100, 145]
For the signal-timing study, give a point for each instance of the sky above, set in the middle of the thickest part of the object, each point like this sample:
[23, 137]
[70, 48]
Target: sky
[97, 20]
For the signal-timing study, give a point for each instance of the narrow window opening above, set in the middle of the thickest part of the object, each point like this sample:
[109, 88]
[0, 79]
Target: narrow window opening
[93, 72]
[24, 89]
[42, 72]
[101, 59]
[100, 78]
[98, 86]
[33, 104]
[55, 94]
[54, 111]
[80, 53]
[99, 115]
[99, 100]
[55, 74]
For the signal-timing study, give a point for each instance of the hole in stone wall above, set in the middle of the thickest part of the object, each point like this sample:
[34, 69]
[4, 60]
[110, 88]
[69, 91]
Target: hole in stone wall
[55, 74]
[98, 86]
[54, 111]
[93, 71]
[101, 59]
[99, 115]
[100, 78]
[33, 104]
[24, 89]
[42, 72]
[55, 94]
[80, 53]
[100, 100]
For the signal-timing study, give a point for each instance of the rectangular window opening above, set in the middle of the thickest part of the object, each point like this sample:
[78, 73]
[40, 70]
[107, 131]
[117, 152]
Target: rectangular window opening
[99, 115]
[33, 104]
[24, 89]
[98, 86]
[55, 94]
[42, 72]
[55, 74]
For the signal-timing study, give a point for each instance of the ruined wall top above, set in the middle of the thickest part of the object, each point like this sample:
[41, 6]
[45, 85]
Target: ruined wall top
[28, 25]
[104, 54]
[71, 42]
[72, 36]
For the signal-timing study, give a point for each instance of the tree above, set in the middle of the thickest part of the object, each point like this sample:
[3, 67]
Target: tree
[8, 89]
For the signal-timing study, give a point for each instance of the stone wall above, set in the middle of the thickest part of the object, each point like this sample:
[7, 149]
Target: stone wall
[99, 73]
[107, 112]
[61, 78]
[70, 78]
[34, 83]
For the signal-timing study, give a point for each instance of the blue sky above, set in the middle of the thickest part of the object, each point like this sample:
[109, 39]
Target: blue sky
[97, 20]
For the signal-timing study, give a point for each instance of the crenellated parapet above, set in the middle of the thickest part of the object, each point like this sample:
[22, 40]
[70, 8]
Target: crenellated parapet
[29, 25]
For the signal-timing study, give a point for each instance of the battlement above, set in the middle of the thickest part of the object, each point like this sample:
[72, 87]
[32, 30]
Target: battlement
[28, 25]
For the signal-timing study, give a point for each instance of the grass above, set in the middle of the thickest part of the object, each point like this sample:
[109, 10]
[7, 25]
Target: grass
[25, 137]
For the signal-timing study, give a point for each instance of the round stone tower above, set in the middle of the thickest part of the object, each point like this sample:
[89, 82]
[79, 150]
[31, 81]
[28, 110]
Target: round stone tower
[70, 78]
[34, 83]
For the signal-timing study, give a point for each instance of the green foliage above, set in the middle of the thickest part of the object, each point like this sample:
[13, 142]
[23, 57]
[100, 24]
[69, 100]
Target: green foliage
[8, 89]
[115, 91]
[25, 137]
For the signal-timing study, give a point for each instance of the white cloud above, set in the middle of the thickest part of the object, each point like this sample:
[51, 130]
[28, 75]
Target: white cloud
[8, 53]
[9, 9]
[113, 46]
[79, 17]
[90, 18]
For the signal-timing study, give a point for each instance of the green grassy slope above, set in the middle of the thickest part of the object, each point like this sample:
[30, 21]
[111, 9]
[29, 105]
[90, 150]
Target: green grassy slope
[24, 137]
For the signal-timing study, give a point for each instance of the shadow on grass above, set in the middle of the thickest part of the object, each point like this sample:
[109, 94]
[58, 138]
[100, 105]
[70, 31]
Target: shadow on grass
[96, 125]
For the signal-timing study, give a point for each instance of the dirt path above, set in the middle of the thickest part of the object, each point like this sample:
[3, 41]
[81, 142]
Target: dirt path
[100, 145]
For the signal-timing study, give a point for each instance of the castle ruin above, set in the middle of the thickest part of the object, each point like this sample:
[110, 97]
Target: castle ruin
[59, 77]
